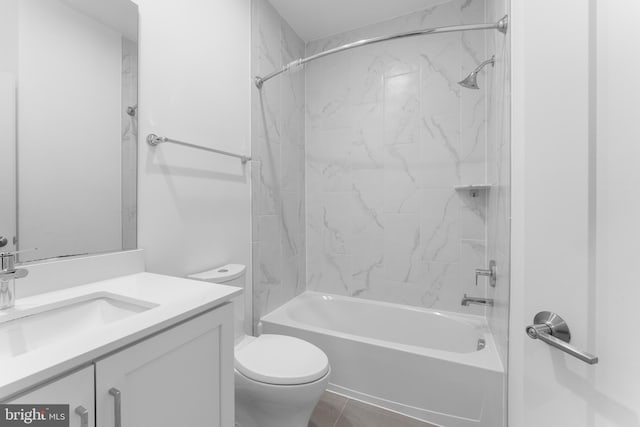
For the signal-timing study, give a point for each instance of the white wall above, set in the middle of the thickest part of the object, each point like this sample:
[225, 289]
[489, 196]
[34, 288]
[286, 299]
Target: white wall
[8, 36]
[69, 90]
[8, 125]
[195, 85]
[7, 160]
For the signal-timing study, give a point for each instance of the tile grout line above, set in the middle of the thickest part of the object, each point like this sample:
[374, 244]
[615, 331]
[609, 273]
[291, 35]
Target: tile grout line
[341, 411]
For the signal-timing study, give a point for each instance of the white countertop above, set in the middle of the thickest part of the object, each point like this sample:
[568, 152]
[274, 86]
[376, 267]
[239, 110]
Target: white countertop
[176, 299]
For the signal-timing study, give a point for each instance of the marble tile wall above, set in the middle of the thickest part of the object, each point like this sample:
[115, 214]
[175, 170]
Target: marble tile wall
[389, 133]
[129, 145]
[278, 175]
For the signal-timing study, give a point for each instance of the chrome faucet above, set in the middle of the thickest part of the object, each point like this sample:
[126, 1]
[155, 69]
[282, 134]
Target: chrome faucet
[466, 301]
[8, 273]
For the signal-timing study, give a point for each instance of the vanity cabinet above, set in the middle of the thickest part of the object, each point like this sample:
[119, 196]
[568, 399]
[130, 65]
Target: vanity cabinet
[182, 376]
[76, 390]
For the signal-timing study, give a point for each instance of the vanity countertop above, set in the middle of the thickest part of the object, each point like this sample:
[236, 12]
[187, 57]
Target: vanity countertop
[170, 300]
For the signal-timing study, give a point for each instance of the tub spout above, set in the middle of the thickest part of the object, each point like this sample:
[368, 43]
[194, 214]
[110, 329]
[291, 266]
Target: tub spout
[466, 301]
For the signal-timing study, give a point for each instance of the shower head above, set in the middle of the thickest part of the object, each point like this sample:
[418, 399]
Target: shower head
[471, 81]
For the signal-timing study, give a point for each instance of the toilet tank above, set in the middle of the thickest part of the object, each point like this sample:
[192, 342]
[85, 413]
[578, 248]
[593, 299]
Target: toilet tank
[232, 275]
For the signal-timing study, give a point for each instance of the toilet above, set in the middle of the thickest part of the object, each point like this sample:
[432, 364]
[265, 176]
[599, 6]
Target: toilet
[278, 379]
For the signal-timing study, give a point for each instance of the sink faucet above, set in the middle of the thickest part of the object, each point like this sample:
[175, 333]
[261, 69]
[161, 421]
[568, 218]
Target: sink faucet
[8, 274]
[466, 301]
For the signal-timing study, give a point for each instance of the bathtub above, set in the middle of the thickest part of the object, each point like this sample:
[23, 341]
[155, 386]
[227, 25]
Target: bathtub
[439, 367]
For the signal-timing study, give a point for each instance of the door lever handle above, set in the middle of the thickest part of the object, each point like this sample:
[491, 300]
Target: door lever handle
[553, 330]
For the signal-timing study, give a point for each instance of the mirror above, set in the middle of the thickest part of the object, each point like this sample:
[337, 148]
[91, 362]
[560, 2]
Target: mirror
[68, 127]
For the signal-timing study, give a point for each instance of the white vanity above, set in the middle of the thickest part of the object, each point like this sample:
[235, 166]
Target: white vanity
[149, 350]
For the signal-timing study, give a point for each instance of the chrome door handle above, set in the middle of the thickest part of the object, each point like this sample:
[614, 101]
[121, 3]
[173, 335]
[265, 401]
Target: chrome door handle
[117, 406]
[553, 330]
[84, 416]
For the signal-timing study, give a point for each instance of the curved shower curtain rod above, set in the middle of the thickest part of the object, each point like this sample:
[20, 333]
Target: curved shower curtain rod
[501, 26]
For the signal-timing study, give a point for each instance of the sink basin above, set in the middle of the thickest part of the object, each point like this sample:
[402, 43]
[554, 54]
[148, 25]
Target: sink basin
[23, 331]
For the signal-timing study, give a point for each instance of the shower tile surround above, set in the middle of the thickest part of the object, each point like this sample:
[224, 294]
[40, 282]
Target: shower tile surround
[389, 133]
[278, 178]
[129, 144]
[357, 156]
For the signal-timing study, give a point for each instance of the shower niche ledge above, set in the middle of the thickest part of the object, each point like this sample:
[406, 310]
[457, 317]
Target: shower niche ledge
[473, 189]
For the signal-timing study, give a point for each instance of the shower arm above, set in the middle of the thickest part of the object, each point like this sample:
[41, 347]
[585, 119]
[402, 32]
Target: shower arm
[491, 61]
[501, 26]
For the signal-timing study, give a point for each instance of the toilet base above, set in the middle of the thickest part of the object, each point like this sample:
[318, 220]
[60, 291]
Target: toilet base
[267, 405]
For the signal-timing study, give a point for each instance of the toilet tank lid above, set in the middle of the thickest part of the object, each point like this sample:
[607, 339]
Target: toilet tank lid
[221, 274]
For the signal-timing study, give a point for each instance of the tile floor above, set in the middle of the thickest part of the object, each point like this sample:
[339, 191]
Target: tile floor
[334, 410]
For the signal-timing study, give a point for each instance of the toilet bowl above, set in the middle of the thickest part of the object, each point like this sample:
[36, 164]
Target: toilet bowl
[278, 379]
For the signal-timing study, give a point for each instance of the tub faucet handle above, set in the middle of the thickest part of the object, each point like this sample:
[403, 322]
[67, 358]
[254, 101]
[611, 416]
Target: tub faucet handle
[490, 272]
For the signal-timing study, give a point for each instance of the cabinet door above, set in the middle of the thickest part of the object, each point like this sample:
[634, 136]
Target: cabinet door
[180, 377]
[76, 390]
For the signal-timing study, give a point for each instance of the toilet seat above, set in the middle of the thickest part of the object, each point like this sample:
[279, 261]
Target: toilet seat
[281, 360]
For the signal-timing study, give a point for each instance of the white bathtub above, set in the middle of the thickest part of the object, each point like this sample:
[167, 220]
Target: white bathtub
[419, 362]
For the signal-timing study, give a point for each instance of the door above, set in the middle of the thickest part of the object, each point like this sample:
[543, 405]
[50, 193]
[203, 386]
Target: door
[181, 377]
[76, 390]
[576, 217]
